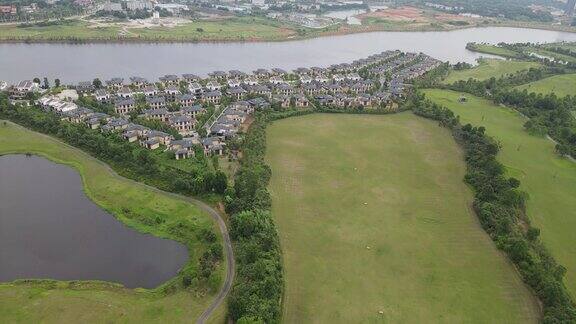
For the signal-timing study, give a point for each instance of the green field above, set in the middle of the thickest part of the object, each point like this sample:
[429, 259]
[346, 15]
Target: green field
[61, 302]
[548, 179]
[488, 68]
[232, 29]
[562, 85]
[374, 216]
[494, 50]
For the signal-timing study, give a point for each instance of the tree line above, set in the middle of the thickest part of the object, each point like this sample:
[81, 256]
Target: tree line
[500, 206]
[258, 288]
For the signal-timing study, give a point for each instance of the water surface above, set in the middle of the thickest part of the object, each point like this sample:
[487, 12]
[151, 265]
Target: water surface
[72, 63]
[50, 229]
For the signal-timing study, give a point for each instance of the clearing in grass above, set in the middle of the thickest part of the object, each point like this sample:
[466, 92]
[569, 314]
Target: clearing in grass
[376, 224]
[549, 179]
[562, 85]
[97, 302]
[488, 68]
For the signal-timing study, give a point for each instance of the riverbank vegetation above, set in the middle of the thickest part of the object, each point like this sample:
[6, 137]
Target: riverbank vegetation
[499, 201]
[489, 68]
[360, 245]
[138, 206]
[258, 288]
[73, 30]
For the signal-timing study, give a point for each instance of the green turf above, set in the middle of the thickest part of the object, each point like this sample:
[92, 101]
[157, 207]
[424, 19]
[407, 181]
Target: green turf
[373, 215]
[488, 68]
[98, 302]
[70, 29]
[494, 50]
[562, 85]
[548, 179]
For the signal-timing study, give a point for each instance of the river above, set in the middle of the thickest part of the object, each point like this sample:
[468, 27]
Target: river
[73, 63]
[50, 229]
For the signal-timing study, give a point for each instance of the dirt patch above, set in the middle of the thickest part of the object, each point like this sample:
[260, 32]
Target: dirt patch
[405, 13]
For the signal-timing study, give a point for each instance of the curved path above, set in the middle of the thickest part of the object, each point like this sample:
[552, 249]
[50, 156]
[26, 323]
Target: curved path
[230, 262]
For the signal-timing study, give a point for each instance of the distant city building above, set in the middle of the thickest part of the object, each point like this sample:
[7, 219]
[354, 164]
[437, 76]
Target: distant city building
[110, 6]
[570, 7]
[8, 10]
[173, 8]
[139, 5]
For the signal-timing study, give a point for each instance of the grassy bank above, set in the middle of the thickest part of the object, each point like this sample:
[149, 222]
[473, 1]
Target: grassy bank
[488, 68]
[233, 29]
[561, 85]
[373, 217]
[548, 179]
[136, 205]
[493, 49]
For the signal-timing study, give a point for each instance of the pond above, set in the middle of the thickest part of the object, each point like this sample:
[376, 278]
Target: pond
[50, 229]
[73, 63]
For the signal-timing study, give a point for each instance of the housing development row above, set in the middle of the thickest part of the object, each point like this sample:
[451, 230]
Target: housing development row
[208, 111]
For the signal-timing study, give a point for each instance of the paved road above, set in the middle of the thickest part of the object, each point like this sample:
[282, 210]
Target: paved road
[229, 252]
[230, 271]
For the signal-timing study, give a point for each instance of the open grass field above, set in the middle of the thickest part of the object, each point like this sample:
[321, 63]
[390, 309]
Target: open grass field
[493, 49]
[488, 68]
[562, 85]
[233, 29]
[548, 179]
[373, 216]
[100, 302]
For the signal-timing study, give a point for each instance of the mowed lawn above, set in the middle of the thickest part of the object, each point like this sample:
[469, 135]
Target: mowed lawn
[548, 179]
[373, 216]
[562, 85]
[488, 68]
[89, 301]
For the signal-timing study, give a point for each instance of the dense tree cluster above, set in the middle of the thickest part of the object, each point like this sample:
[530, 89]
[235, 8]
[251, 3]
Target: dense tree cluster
[257, 292]
[500, 206]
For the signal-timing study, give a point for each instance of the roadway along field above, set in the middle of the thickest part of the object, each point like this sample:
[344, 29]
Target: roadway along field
[488, 68]
[562, 85]
[373, 216]
[548, 179]
[95, 302]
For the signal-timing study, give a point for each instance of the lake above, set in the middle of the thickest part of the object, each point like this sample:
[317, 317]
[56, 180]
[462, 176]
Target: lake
[50, 229]
[73, 63]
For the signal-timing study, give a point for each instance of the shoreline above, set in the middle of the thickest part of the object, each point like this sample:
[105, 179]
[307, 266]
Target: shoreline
[349, 30]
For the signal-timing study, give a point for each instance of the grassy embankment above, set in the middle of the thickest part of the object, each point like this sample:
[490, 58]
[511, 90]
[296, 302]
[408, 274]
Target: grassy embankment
[562, 85]
[493, 50]
[548, 179]
[488, 68]
[233, 29]
[373, 216]
[130, 202]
